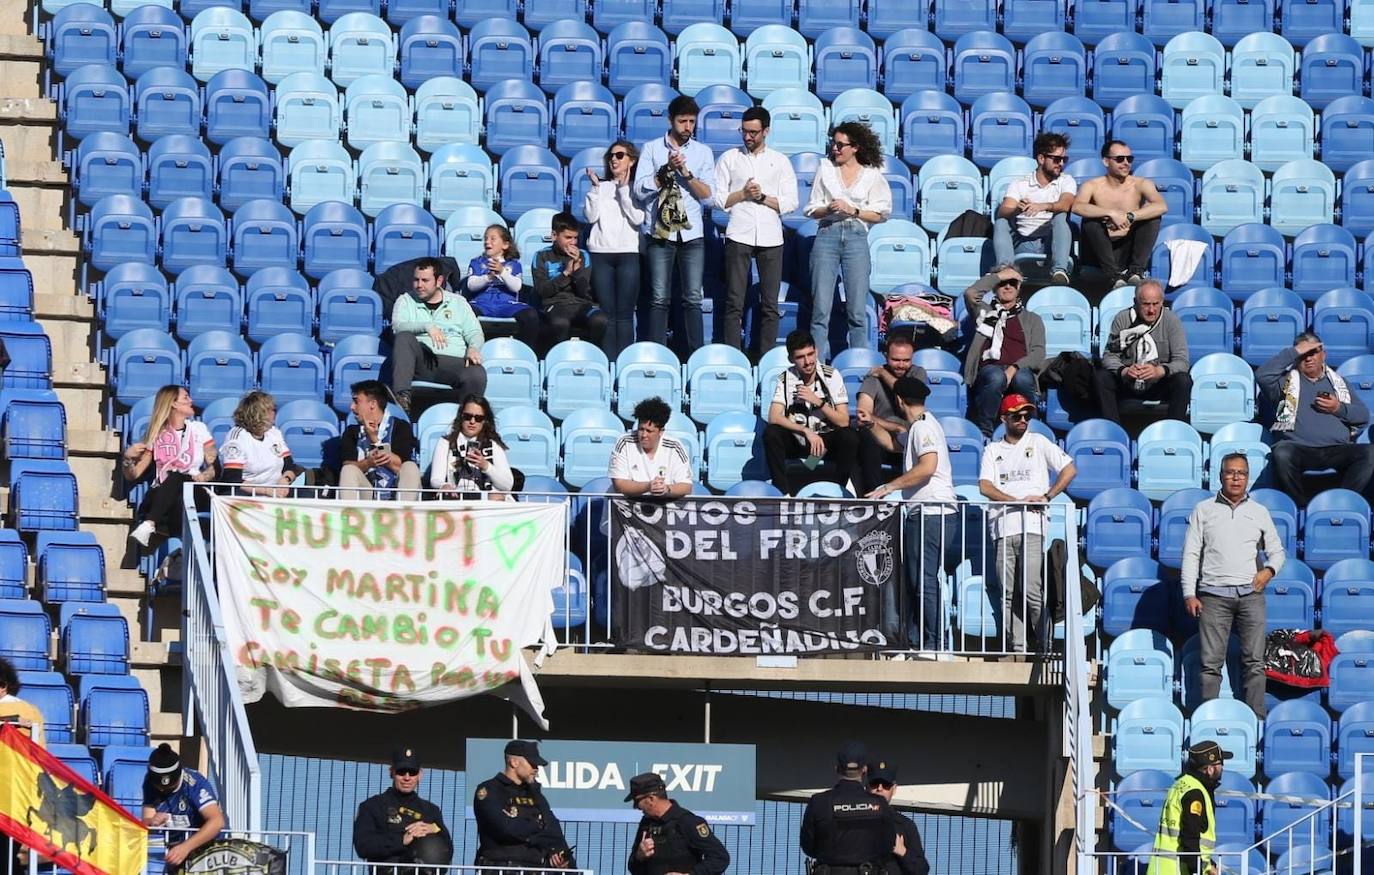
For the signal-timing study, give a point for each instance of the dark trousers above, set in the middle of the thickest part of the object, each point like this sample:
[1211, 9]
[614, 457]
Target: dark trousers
[872, 458]
[411, 360]
[931, 543]
[1173, 389]
[161, 505]
[1288, 460]
[528, 327]
[780, 444]
[561, 319]
[1222, 615]
[1122, 256]
[615, 282]
[769, 261]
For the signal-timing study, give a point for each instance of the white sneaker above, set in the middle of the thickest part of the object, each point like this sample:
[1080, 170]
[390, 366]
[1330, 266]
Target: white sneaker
[944, 657]
[143, 533]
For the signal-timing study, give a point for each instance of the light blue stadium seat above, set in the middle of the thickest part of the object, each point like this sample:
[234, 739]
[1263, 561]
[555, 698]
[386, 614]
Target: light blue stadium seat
[389, 173]
[166, 101]
[804, 166]
[776, 57]
[113, 710]
[49, 692]
[219, 365]
[1354, 734]
[81, 34]
[944, 375]
[398, 12]
[588, 437]
[348, 306]
[948, 186]
[815, 18]
[1269, 320]
[585, 115]
[719, 379]
[845, 58]
[1101, 451]
[1357, 198]
[264, 234]
[1253, 257]
[1351, 671]
[1237, 437]
[30, 353]
[1175, 183]
[207, 298]
[447, 110]
[1123, 66]
[222, 38]
[913, 59]
[1284, 513]
[179, 166]
[1068, 319]
[1169, 457]
[706, 54]
[1344, 319]
[249, 168]
[132, 296]
[533, 230]
[731, 439]
[853, 365]
[514, 375]
[1323, 257]
[1192, 65]
[1119, 525]
[681, 427]
[1173, 524]
[1162, 20]
[1297, 738]
[577, 376]
[259, 10]
[644, 370]
[749, 15]
[899, 251]
[463, 231]
[192, 231]
[960, 260]
[1054, 66]
[334, 236]
[531, 178]
[1000, 126]
[1283, 809]
[429, 46]
[678, 15]
[517, 113]
[1107, 309]
[637, 53]
[1212, 130]
[71, 571]
[1140, 796]
[360, 44]
[307, 109]
[403, 232]
[330, 11]
[291, 42]
[1233, 193]
[377, 109]
[983, 62]
[499, 48]
[1361, 22]
[1303, 20]
[1282, 129]
[1358, 374]
[722, 111]
[1148, 734]
[278, 300]
[237, 104]
[873, 109]
[1290, 598]
[1234, 19]
[568, 51]
[151, 36]
[932, 128]
[1223, 392]
[1302, 193]
[1262, 65]
[104, 164]
[645, 112]
[1335, 527]
[1146, 123]
[218, 417]
[965, 444]
[1236, 816]
[955, 17]
[1347, 596]
[354, 358]
[1081, 120]
[1234, 727]
[292, 368]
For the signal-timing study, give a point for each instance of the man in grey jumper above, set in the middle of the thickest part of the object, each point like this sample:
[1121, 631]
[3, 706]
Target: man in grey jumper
[1230, 554]
[1007, 351]
[1317, 419]
[1146, 356]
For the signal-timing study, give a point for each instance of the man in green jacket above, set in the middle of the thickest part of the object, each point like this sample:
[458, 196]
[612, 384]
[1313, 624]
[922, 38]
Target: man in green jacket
[1187, 834]
[437, 338]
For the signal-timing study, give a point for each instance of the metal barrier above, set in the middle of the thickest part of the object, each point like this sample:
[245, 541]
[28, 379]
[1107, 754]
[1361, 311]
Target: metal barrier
[1078, 731]
[353, 867]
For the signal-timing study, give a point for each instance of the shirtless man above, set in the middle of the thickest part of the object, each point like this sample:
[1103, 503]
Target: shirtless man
[1121, 214]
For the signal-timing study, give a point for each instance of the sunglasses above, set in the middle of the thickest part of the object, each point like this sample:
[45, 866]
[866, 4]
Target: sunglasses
[1015, 284]
[886, 785]
[1121, 159]
[1058, 159]
[407, 773]
[616, 156]
[474, 417]
[1022, 416]
[1312, 352]
[838, 145]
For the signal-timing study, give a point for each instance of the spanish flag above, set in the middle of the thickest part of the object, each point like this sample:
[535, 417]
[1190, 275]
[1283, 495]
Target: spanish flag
[47, 807]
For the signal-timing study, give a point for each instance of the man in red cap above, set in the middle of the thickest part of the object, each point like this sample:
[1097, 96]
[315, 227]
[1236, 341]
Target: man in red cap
[1017, 469]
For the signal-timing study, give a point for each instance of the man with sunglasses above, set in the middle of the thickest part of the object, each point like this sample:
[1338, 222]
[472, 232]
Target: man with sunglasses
[1121, 214]
[1007, 350]
[1039, 203]
[397, 825]
[670, 838]
[908, 855]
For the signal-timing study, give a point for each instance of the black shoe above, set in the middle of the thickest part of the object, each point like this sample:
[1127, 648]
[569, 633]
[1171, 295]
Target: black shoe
[403, 399]
[1059, 278]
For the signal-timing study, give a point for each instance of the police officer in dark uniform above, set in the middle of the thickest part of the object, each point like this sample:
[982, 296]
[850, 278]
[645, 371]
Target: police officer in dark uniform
[515, 826]
[908, 855]
[670, 838]
[846, 829]
[397, 825]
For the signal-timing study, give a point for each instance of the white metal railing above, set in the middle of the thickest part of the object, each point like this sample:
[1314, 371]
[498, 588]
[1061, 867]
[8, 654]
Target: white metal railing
[353, 867]
[1078, 732]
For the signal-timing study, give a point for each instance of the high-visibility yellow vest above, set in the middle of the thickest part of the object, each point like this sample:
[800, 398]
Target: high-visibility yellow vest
[1171, 819]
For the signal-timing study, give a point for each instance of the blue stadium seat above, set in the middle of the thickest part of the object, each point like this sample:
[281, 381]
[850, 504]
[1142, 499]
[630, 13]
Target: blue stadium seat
[1237, 437]
[531, 178]
[965, 444]
[1291, 597]
[249, 168]
[49, 693]
[34, 427]
[290, 42]
[1000, 126]
[237, 104]
[678, 15]
[645, 112]
[577, 375]
[1162, 20]
[30, 353]
[179, 166]
[429, 46]
[722, 110]
[1101, 451]
[706, 54]
[354, 358]
[1023, 20]
[873, 109]
[1223, 392]
[463, 231]
[1175, 183]
[192, 231]
[777, 57]
[460, 174]
[1262, 65]
[222, 38]
[588, 436]
[144, 361]
[637, 53]
[398, 12]
[1192, 65]
[845, 58]
[749, 15]
[1284, 513]
[307, 109]
[732, 446]
[403, 232]
[131, 296]
[92, 99]
[517, 113]
[1303, 20]
[1282, 129]
[1344, 319]
[1212, 130]
[719, 379]
[1354, 734]
[71, 568]
[913, 59]
[43, 496]
[538, 14]
[264, 234]
[348, 306]
[1146, 123]
[853, 365]
[16, 289]
[1347, 596]
[389, 173]
[360, 44]
[1081, 120]
[1134, 596]
[151, 36]
[499, 48]
[1169, 456]
[944, 375]
[1236, 813]
[1253, 257]
[1140, 663]
[26, 633]
[377, 109]
[983, 62]
[1282, 809]
[104, 164]
[899, 251]
[1351, 671]
[1358, 373]
[124, 776]
[514, 376]
[1335, 527]
[1301, 193]
[259, 10]
[291, 368]
[1297, 738]
[446, 111]
[817, 17]
[579, 186]
[14, 556]
[1269, 320]
[1054, 65]
[948, 186]
[585, 115]
[218, 417]
[220, 366]
[333, 236]
[960, 260]
[207, 299]
[1233, 193]
[278, 300]
[1357, 199]
[1068, 319]
[1233, 726]
[568, 51]
[1148, 734]
[955, 17]
[644, 370]
[309, 427]
[95, 638]
[1119, 525]
[1140, 796]
[1173, 524]
[1234, 19]
[1361, 22]
[1323, 257]
[330, 11]
[113, 710]
[1123, 66]
[932, 128]
[1333, 67]
[81, 34]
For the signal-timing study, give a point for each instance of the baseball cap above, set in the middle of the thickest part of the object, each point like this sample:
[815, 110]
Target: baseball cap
[1012, 402]
[527, 749]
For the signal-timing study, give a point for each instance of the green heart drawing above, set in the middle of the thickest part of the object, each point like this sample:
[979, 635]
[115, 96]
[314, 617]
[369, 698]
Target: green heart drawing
[513, 540]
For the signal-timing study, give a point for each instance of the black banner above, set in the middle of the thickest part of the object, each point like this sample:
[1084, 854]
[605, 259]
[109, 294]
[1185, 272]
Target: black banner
[750, 577]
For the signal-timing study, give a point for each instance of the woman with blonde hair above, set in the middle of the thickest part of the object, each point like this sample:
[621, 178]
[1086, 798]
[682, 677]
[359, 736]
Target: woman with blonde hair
[255, 452]
[615, 218]
[471, 459]
[179, 450]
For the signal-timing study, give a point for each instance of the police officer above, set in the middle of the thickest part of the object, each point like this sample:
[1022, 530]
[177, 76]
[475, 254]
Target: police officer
[670, 838]
[1187, 832]
[398, 825]
[908, 855]
[846, 829]
[515, 826]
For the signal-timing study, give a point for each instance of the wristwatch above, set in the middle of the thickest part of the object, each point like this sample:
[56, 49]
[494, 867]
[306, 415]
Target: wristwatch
[688, 176]
[760, 198]
[1130, 218]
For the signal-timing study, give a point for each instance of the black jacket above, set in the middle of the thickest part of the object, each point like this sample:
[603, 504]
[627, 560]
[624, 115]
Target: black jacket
[515, 823]
[1192, 824]
[848, 826]
[381, 823]
[683, 842]
[914, 861]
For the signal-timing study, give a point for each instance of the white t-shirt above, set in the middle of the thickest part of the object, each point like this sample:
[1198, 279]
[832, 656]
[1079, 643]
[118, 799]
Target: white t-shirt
[926, 436]
[1028, 188]
[1021, 469]
[670, 461]
[829, 384]
[259, 460]
[180, 450]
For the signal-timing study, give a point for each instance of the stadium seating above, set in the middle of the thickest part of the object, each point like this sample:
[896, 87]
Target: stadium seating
[1285, 515]
[220, 365]
[1336, 527]
[1237, 437]
[514, 375]
[1140, 664]
[1283, 808]
[1232, 193]
[1140, 796]
[1123, 66]
[1134, 596]
[873, 109]
[1192, 65]
[1212, 130]
[1291, 597]
[221, 39]
[1233, 726]
[983, 62]
[1269, 320]
[1351, 671]
[1119, 525]
[844, 58]
[1354, 734]
[113, 710]
[718, 379]
[1282, 128]
[150, 36]
[1173, 524]
[1223, 392]
[1323, 257]
[360, 44]
[1148, 734]
[71, 568]
[776, 57]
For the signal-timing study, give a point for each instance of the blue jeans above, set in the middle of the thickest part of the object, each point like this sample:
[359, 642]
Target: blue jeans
[689, 257]
[931, 546]
[987, 392]
[839, 244]
[615, 282]
[1006, 241]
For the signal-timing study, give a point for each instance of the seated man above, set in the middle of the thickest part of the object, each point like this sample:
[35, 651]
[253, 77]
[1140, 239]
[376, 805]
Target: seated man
[1120, 217]
[882, 429]
[1146, 356]
[563, 280]
[378, 450]
[1007, 351]
[648, 463]
[436, 338]
[809, 417]
[1039, 204]
[1316, 419]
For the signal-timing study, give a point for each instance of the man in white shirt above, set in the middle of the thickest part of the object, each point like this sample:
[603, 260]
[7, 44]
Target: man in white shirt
[648, 464]
[1017, 469]
[1039, 203]
[809, 417]
[756, 185]
[931, 523]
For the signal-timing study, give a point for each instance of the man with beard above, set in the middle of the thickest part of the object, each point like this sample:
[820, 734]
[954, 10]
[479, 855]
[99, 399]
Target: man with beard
[1187, 831]
[515, 825]
[879, 423]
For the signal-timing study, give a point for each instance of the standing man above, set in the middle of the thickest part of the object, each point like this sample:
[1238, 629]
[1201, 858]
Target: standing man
[1016, 470]
[846, 828]
[670, 838]
[880, 424]
[398, 825]
[908, 854]
[809, 417]
[1007, 351]
[1316, 421]
[1039, 203]
[563, 280]
[1231, 552]
[756, 186]
[1187, 833]
[1146, 356]
[181, 800]
[931, 524]
[647, 463]
[674, 177]
[515, 825]
[1121, 216]
[435, 337]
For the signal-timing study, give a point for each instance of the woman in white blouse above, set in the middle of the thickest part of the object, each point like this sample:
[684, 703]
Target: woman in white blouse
[848, 196]
[614, 242]
[470, 461]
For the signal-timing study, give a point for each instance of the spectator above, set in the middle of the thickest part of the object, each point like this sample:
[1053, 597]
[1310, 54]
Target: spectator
[255, 452]
[13, 709]
[615, 218]
[179, 799]
[1039, 203]
[494, 283]
[673, 179]
[378, 450]
[436, 337]
[669, 837]
[1017, 469]
[1121, 216]
[1007, 350]
[849, 195]
[1187, 832]
[563, 281]
[908, 855]
[1146, 356]
[1223, 578]
[756, 186]
[927, 481]
[398, 825]
[1316, 421]
[648, 462]
[881, 428]
[179, 450]
[809, 417]
[470, 461]
[516, 828]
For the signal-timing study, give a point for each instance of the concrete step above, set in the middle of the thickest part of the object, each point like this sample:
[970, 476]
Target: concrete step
[28, 124]
[42, 171]
[56, 307]
[40, 207]
[71, 340]
[85, 407]
[50, 241]
[14, 18]
[79, 374]
[22, 57]
[92, 442]
[54, 273]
